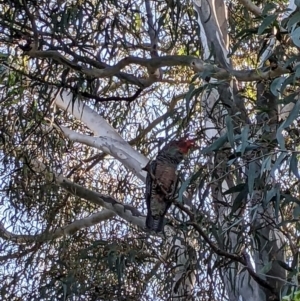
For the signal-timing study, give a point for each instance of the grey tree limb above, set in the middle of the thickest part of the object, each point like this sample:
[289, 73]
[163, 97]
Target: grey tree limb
[164, 61]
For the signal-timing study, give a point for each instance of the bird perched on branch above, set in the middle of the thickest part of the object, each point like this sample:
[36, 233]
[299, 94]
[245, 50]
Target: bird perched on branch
[162, 180]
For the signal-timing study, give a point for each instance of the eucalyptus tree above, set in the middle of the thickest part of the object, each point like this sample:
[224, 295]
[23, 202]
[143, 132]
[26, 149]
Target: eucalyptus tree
[90, 91]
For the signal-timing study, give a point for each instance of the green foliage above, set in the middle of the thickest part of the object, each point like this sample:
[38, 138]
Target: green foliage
[292, 297]
[296, 37]
[267, 21]
[244, 166]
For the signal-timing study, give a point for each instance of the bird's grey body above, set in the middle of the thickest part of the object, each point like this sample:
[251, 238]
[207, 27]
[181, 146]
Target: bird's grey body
[162, 180]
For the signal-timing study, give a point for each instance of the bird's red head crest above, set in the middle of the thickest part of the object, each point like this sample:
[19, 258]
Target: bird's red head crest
[184, 144]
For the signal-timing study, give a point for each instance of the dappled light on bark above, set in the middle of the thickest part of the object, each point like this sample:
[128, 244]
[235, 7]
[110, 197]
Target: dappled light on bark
[90, 91]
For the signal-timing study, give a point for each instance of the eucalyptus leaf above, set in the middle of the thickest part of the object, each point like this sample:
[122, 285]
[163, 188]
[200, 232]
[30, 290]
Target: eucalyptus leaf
[182, 189]
[216, 145]
[230, 162]
[266, 268]
[296, 37]
[239, 201]
[290, 199]
[230, 133]
[270, 194]
[269, 6]
[296, 211]
[277, 202]
[265, 165]
[289, 80]
[266, 23]
[65, 290]
[293, 20]
[252, 175]
[186, 183]
[237, 188]
[294, 165]
[292, 116]
[190, 92]
[277, 164]
[245, 135]
[251, 147]
[276, 84]
[280, 139]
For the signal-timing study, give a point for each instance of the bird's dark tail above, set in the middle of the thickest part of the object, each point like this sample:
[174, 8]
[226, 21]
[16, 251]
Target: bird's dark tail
[155, 223]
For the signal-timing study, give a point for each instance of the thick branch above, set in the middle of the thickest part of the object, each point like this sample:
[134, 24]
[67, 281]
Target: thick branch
[153, 34]
[113, 207]
[164, 61]
[94, 219]
[109, 140]
[251, 7]
[128, 213]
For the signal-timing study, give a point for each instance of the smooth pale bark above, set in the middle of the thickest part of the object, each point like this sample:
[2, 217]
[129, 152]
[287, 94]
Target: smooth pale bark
[214, 33]
[271, 241]
[110, 142]
[69, 229]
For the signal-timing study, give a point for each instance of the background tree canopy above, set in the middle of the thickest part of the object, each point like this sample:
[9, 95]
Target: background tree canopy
[90, 91]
